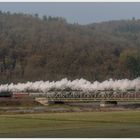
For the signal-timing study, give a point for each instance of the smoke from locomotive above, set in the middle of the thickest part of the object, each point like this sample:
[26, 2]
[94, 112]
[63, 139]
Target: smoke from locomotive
[78, 84]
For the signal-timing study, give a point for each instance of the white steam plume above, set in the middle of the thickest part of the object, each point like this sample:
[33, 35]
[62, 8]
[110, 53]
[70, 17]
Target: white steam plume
[78, 84]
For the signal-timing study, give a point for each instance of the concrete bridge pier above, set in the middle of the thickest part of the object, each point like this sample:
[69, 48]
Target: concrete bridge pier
[42, 101]
[108, 103]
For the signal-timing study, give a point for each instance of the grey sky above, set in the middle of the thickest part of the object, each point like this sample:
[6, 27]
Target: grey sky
[82, 12]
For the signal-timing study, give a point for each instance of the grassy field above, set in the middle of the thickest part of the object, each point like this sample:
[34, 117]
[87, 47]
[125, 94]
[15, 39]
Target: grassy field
[80, 124]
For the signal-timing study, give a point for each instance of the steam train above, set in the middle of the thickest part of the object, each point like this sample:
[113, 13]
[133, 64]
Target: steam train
[9, 94]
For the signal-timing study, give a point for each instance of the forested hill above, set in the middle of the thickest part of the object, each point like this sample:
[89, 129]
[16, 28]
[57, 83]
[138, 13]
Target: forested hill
[49, 48]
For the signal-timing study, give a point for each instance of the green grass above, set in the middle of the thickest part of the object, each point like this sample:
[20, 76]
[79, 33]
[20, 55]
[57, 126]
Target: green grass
[80, 124]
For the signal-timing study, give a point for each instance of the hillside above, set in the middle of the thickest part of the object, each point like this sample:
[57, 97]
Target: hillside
[49, 48]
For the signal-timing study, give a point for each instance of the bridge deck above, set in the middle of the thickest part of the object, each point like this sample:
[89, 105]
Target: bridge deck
[94, 99]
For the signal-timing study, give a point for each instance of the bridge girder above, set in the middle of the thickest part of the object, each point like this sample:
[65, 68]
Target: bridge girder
[96, 95]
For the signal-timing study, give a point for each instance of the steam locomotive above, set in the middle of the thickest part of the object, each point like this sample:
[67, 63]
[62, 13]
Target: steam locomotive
[5, 94]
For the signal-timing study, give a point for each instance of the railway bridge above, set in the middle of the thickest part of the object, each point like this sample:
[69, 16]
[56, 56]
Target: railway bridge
[104, 97]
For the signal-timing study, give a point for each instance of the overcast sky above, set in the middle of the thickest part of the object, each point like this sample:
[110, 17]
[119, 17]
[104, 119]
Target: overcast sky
[83, 13]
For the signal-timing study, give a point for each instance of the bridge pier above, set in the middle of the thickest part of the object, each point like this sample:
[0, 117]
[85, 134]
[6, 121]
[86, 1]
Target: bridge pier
[42, 101]
[108, 103]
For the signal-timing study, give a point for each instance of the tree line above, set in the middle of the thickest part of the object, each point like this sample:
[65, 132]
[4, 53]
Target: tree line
[49, 48]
